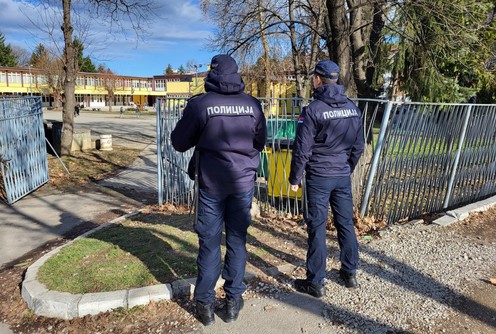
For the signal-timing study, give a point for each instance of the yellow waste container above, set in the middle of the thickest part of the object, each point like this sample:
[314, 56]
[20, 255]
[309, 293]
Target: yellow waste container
[279, 165]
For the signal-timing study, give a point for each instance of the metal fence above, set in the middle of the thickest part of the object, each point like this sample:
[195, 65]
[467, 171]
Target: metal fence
[419, 158]
[429, 158]
[23, 154]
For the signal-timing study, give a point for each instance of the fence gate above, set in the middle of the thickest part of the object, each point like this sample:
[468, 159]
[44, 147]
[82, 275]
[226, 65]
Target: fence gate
[23, 153]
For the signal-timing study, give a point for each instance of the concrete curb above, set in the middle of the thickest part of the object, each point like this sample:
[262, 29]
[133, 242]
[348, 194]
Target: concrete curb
[64, 305]
[462, 213]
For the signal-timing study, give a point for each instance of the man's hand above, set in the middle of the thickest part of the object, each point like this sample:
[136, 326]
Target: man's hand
[295, 187]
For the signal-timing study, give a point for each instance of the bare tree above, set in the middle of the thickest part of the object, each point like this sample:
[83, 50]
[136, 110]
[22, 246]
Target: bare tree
[136, 13]
[22, 54]
[242, 25]
[110, 82]
[261, 28]
[51, 68]
[67, 14]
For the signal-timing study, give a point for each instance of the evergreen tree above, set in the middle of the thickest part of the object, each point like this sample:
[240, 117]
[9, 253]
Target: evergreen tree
[7, 55]
[84, 63]
[169, 70]
[39, 56]
[181, 70]
[443, 48]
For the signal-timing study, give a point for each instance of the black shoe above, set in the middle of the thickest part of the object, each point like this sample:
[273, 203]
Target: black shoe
[206, 313]
[349, 279]
[233, 306]
[305, 286]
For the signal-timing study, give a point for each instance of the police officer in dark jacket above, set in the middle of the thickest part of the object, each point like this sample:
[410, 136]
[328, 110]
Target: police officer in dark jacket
[329, 141]
[228, 130]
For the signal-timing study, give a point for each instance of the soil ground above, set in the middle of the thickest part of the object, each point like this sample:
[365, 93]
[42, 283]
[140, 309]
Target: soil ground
[284, 238]
[482, 227]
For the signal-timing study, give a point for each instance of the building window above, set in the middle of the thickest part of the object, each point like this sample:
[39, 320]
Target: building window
[2, 77]
[160, 85]
[97, 98]
[90, 81]
[14, 77]
[27, 78]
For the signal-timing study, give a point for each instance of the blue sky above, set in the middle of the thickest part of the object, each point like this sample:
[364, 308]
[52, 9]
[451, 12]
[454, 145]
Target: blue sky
[177, 35]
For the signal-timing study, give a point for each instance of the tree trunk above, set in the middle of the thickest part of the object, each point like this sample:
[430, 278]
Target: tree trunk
[110, 101]
[266, 55]
[321, 20]
[339, 46]
[378, 23]
[358, 15]
[294, 51]
[70, 70]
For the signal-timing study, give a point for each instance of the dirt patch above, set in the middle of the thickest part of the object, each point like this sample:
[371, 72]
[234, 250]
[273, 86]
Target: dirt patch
[283, 239]
[482, 301]
[277, 241]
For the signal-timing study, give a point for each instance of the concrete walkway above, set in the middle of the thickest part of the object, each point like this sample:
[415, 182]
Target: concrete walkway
[34, 220]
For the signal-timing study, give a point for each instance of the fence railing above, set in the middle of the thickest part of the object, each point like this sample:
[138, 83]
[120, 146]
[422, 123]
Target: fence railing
[431, 157]
[23, 154]
[419, 157]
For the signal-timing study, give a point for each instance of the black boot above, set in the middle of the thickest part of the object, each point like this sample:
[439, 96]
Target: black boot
[349, 279]
[233, 306]
[305, 286]
[205, 313]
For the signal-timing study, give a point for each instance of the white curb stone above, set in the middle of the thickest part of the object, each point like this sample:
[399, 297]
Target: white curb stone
[55, 304]
[94, 303]
[142, 296]
[30, 291]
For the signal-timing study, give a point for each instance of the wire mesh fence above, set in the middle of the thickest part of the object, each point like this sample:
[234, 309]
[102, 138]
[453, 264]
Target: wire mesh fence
[419, 157]
[23, 154]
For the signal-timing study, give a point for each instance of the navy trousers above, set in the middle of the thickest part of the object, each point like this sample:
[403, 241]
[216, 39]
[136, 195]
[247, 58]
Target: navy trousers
[336, 191]
[214, 213]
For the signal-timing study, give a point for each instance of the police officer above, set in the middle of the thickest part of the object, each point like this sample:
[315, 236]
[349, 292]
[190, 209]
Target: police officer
[329, 141]
[228, 130]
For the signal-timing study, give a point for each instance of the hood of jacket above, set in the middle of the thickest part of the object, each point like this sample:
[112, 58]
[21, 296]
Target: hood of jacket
[224, 83]
[223, 76]
[331, 94]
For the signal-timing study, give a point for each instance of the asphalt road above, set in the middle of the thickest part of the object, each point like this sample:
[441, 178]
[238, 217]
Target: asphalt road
[129, 130]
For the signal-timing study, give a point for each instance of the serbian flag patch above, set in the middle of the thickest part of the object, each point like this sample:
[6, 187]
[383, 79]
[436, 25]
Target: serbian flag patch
[301, 119]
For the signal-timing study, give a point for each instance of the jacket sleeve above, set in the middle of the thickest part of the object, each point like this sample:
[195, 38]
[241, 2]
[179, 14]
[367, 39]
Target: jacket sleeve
[187, 131]
[302, 146]
[357, 148]
[260, 132]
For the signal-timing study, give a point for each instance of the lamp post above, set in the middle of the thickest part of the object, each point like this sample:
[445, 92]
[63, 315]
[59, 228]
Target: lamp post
[30, 81]
[196, 73]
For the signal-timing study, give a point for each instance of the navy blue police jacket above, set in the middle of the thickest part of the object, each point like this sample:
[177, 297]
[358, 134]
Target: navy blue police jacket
[228, 129]
[329, 136]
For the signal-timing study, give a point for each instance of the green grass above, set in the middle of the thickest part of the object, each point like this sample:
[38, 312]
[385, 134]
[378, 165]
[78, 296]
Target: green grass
[123, 256]
[153, 248]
